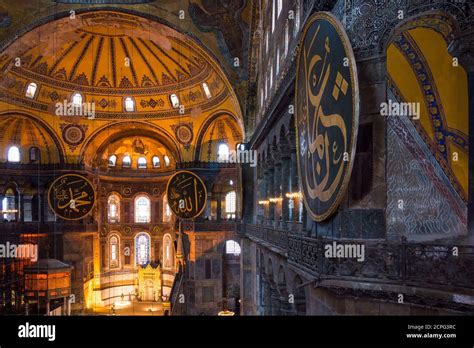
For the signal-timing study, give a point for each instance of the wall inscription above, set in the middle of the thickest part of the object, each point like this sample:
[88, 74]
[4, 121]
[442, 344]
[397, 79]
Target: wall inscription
[327, 114]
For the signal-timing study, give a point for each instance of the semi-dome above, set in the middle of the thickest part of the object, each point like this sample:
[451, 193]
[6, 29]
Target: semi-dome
[25, 140]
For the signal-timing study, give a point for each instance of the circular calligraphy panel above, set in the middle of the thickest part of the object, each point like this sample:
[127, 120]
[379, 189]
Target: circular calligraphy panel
[186, 194]
[71, 197]
[327, 114]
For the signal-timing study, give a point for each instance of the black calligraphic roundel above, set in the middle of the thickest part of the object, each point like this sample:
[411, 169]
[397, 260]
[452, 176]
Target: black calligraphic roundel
[71, 197]
[186, 194]
[327, 114]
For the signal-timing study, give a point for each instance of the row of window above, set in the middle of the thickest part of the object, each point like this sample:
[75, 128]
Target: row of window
[268, 79]
[143, 250]
[141, 161]
[13, 154]
[143, 208]
[129, 103]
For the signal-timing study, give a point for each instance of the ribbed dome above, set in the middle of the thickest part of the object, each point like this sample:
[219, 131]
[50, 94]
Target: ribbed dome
[26, 133]
[109, 56]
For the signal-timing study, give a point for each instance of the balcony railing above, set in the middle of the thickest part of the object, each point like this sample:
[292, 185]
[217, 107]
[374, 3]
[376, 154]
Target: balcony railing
[277, 238]
[47, 227]
[400, 263]
[204, 226]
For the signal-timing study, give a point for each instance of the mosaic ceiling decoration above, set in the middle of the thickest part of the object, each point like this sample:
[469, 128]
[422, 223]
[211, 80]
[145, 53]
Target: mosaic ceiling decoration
[421, 70]
[109, 56]
[226, 39]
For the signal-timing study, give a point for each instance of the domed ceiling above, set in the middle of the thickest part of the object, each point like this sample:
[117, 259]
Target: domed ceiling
[109, 56]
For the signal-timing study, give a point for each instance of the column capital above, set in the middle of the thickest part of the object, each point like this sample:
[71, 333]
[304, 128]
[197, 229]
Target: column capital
[462, 47]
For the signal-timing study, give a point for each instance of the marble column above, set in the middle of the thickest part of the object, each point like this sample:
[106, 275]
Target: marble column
[462, 47]
[277, 189]
[219, 206]
[294, 186]
[21, 208]
[285, 181]
[247, 278]
[271, 192]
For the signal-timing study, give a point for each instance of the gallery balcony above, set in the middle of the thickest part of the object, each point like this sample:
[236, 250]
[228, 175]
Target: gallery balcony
[209, 225]
[49, 227]
[432, 269]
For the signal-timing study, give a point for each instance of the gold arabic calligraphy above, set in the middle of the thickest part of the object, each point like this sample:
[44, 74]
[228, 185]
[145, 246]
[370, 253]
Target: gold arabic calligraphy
[72, 199]
[317, 151]
[186, 195]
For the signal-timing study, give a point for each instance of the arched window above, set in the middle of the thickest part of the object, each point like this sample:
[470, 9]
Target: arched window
[271, 77]
[230, 204]
[31, 90]
[273, 15]
[127, 161]
[232, 248]
[278, 61]
[77, 99]
[207, 91]
[34, 154]
[112, 160]
[129, 104]
[142, 248]
[156, 162]
[223, 153]
[167, 160]
[142, 163]
[8, 206]
[114, 251]
[142, 209]
[13, 154]
[166, 210]
[174, 101]
[113, 205]
[168, 251]
[297, 17]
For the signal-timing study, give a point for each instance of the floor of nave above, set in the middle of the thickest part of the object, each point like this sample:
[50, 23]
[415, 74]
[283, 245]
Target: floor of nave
[126, 308]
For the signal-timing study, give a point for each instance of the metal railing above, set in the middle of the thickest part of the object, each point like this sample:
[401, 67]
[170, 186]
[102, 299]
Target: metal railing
[205, 226]
[446, 266]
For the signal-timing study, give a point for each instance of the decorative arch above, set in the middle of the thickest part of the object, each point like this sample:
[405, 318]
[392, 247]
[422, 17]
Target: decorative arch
[442, 96]
[142, 248]
[128, 129]
[46, 138]
[205, 127]
[114, 250]
[440, 21]
[113, 207]
[142, 208]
